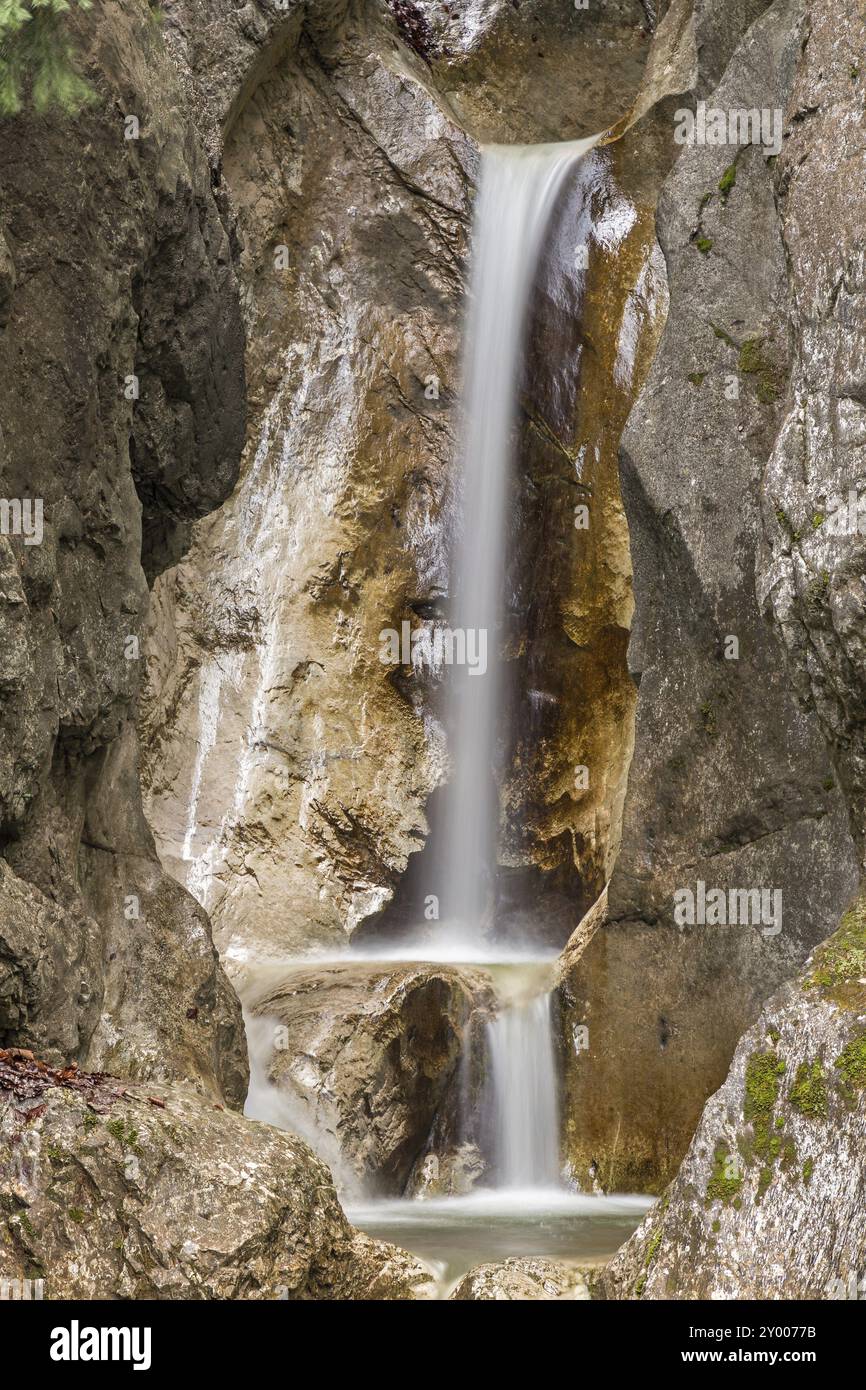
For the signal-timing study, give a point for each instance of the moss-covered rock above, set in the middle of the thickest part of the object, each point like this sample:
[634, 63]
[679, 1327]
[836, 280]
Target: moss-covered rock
[839, 965]
[778, 1148]
[809, 1091]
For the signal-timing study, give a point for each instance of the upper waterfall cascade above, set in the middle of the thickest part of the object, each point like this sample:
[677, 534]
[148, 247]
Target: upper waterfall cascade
[519, 190]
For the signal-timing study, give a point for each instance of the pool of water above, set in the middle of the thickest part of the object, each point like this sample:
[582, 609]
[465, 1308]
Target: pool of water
[453, 1234]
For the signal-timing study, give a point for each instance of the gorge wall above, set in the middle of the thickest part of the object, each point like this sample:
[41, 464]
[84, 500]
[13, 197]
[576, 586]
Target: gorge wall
[117, 271]
[229, 364]
[744, 769]
[291, 777]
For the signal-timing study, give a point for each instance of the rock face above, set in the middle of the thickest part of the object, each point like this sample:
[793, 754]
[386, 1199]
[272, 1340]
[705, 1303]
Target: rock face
[287, 773]
[520, 1281]
[770, 1201]
[121, 417]
[285, 763]
[449, 1171]
[110, 1191]
[731, 782]
[813, 559]
[366, 1060]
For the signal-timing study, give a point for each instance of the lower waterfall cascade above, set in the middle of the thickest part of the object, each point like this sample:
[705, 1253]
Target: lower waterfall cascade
[523, 1085]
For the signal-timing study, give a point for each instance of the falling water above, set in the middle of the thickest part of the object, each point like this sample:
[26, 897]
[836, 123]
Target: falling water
[519, 189]
[511, 1117]
[522, 1099]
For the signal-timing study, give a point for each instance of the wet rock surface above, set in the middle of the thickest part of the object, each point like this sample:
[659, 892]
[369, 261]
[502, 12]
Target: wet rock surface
[770, 1200]
[285, 763]
[287, 772]
[368, 1059]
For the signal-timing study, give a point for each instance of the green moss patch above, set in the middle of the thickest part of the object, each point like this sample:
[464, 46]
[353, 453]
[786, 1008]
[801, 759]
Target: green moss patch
[852, 1062]
[764, 1071]
[722, 335]
[728, 182]
[652, 1250]
[809, 1091]
[789, 1155]
[840, 964]
[125, 1134]
[722, 1187]
[753, 361]
[709, 719]
[765, 1177]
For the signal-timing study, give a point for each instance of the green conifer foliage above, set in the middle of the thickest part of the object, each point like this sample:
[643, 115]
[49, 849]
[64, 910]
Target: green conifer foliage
[36, 59]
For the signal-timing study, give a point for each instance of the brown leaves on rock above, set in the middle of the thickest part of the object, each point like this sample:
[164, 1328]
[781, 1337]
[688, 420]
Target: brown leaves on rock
[415, 27]
[26, 1078]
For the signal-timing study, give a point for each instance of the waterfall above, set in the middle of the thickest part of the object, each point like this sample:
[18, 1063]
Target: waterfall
[518, 192]
[522, 1091]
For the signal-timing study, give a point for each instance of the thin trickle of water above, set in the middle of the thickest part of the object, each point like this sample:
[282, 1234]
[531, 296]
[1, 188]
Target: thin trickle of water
[273, 1105]
[519, 189]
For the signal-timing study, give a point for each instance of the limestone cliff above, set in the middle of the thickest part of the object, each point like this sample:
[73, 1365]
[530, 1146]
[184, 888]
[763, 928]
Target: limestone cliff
[745, 767]
[121, 418]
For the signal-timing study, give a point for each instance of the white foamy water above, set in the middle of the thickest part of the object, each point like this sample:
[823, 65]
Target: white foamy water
[519, 189]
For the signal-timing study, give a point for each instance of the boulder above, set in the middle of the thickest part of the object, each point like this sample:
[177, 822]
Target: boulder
[365, 1061]
[770, 1201]
[117, 1191]
[522, 1280]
